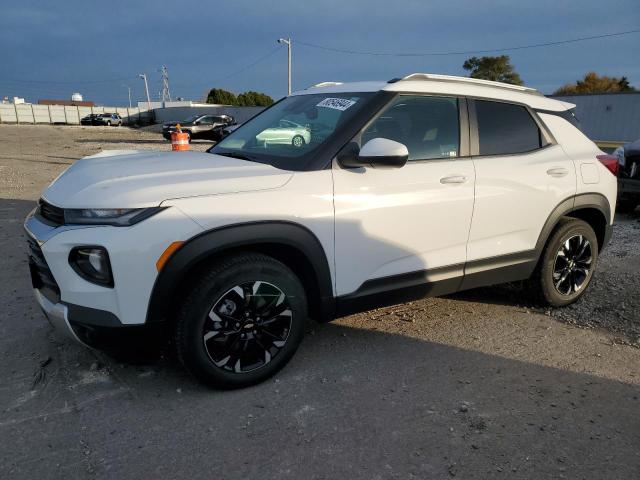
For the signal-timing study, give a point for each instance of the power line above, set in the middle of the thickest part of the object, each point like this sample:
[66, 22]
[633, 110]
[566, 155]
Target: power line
[61, 84]
[468, 52]
[247, 67]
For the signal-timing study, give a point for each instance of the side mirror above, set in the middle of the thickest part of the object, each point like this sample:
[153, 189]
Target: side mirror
[377, 153]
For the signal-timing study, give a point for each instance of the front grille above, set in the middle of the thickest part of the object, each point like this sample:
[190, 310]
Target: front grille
[51, 213]
[41, 276]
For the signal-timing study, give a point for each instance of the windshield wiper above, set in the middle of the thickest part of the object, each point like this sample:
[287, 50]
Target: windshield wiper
[239, 156]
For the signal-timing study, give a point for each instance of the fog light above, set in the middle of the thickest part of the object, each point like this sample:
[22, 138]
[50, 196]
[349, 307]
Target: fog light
[92, 264]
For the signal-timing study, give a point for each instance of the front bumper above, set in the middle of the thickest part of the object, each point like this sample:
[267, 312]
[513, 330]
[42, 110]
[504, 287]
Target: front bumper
[85, 326]
[74, 321]
[86, 311]
[57, 314]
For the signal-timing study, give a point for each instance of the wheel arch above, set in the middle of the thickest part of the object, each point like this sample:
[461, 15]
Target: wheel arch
[290, 243]
[593, 208]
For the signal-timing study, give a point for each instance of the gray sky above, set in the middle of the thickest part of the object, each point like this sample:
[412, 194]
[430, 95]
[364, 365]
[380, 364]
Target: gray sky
[51, 49]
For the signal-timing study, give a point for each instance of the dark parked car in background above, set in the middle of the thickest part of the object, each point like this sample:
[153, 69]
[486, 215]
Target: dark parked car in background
[628, 176]
[89, 119]
[102, 119]
[209, 127]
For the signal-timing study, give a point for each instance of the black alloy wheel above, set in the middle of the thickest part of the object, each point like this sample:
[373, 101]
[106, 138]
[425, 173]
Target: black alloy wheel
[567, 263]
[247, 327]
[242, 320]
[573, 265]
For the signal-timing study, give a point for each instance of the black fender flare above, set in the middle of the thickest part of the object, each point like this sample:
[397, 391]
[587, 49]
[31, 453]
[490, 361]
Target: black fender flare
[215, 241]
[596, 201]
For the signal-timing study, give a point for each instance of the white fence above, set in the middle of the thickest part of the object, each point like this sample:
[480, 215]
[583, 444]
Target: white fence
[33, 114]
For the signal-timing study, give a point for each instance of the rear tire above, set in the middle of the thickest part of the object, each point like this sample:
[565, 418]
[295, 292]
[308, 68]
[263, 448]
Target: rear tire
[242, 322]
[567, 263]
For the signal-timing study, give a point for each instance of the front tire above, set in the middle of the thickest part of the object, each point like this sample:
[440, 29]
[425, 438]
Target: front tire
[108, 124]
[297, 141]
[567, 264]
[242, 322]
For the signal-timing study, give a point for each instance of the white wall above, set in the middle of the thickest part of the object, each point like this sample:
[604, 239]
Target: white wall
[32, 114]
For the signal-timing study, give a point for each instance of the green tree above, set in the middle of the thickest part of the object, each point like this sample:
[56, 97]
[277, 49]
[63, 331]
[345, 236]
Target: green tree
[497, 69]
[594, 83]
[246, 99]
[221, 97]
[254, 99]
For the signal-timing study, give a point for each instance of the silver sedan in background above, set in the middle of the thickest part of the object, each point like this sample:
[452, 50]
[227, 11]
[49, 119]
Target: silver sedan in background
[286, 133]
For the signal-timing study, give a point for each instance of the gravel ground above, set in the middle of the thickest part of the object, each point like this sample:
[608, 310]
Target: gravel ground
[613, 301]
[475, 385]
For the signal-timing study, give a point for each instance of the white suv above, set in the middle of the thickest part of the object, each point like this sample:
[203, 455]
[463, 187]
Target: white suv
[424, 185]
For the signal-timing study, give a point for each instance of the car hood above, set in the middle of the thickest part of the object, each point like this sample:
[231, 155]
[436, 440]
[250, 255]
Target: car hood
[130, 178]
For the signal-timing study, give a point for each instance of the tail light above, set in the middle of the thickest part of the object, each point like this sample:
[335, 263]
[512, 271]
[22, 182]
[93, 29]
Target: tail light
[609, 161]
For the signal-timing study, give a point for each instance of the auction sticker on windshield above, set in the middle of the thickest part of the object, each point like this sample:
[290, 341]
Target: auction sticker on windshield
[336, 103]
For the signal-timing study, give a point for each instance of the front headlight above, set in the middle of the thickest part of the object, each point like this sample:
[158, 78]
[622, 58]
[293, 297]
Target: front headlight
[118, 217]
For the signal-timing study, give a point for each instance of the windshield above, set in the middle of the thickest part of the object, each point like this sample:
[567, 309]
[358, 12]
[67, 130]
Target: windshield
[288, 134]
[191, 119]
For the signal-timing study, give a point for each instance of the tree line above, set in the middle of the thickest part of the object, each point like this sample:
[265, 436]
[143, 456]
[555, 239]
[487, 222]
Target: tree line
[499, 69]
[247, 99]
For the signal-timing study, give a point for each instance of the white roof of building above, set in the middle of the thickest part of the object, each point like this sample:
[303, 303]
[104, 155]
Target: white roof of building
[447, 85]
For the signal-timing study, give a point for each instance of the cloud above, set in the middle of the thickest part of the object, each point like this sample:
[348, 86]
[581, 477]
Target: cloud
[81, 42]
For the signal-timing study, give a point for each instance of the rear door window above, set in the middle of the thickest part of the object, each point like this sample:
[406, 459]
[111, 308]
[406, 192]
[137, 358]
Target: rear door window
[504, 129]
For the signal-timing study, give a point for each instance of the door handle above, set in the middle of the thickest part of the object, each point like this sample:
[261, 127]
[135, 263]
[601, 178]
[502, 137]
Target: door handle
[453, 179]
[557, 172]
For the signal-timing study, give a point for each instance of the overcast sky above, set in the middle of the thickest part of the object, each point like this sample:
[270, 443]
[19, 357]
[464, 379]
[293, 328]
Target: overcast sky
[51, 49]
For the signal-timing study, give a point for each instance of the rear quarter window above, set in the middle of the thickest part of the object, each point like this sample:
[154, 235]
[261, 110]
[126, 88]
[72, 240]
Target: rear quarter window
[504, 129]
[569, 115]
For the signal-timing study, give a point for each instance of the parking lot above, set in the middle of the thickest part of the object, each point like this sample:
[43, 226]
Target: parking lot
[481, 384]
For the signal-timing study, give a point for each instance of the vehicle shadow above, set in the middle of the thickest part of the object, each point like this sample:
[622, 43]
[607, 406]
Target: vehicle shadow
[353, 403]
[510, 294]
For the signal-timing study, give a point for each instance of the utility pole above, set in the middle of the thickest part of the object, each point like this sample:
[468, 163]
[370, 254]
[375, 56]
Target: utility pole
[146, 89]
[129, 89]
[166, 93]
[287, 42]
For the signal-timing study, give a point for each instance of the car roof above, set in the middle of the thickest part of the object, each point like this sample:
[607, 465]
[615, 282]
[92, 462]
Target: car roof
[447, 85]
